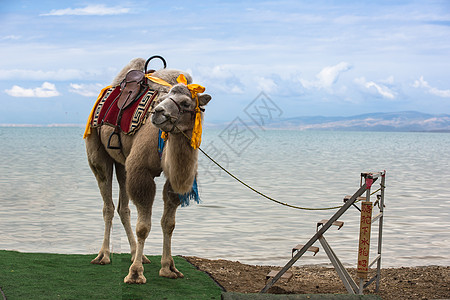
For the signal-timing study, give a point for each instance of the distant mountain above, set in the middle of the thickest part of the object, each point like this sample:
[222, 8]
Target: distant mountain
[395, 121]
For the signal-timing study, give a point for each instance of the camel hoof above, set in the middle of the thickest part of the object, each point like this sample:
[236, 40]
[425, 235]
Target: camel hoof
[172, 274]
[101, 259]
[135, 276]
[135, 279]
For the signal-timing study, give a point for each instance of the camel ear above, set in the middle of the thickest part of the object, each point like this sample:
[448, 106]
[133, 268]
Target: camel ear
[203, 99]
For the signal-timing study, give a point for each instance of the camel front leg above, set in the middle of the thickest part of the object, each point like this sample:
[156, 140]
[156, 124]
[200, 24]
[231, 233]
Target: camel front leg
[143, 226]
[124, 211]
[141, 188]
[171, 203]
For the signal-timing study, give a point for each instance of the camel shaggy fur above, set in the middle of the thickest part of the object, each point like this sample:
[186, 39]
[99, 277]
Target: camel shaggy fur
[137, 163]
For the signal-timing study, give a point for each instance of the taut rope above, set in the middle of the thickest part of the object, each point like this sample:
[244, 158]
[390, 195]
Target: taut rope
[260, 193]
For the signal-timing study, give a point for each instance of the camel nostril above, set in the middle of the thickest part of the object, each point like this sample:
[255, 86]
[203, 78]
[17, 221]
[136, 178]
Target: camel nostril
[159, 109]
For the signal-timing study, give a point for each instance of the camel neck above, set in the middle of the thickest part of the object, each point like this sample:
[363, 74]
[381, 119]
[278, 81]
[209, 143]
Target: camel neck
[179, 145]
[180, 162]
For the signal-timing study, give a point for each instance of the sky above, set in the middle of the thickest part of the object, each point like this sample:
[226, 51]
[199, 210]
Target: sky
[329, 58]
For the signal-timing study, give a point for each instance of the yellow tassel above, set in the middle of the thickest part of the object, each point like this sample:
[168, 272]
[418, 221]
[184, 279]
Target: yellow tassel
[196, 139]
[164, 135]
[87, 131]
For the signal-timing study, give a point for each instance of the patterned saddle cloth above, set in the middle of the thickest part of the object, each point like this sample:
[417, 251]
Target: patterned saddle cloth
[130, 119]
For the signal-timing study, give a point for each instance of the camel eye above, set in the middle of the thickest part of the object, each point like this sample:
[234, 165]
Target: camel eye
[185, 104]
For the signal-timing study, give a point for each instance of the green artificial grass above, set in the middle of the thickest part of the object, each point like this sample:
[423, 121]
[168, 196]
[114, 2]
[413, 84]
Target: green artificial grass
[59, 276]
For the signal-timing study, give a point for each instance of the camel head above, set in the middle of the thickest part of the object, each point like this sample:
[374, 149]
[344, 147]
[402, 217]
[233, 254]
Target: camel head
[177, 110]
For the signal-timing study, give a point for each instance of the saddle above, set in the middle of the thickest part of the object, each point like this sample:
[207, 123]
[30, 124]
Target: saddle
[125, 107]
[131, 88]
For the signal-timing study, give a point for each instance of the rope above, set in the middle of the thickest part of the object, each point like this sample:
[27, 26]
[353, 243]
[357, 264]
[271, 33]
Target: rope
[260, 193]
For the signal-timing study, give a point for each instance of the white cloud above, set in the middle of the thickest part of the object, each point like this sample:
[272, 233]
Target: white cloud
[421, 83]
[86, 90]
[47, 90]
[90, 10]
[58, 75]
[11, 37]
[327, 77]
[266, 85]
[379, 88]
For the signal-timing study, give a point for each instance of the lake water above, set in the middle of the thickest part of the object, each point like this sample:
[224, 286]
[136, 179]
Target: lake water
[49, 201]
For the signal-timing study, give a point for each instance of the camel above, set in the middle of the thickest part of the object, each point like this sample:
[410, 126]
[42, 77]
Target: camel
[138, 162]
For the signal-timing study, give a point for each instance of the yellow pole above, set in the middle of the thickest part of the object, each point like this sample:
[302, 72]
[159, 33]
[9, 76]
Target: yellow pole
[364, 239]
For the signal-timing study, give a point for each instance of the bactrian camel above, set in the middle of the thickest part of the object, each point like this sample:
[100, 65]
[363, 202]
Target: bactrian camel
[138, 162]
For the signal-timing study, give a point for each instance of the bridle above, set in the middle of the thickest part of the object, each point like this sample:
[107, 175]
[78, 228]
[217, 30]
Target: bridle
[194, 89]
[181, 111]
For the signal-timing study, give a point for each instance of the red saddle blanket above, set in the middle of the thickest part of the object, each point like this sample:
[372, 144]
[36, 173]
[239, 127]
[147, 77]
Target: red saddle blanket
[107, 112]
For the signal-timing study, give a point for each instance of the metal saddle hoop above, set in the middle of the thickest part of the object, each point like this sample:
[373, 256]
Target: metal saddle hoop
[151, 58]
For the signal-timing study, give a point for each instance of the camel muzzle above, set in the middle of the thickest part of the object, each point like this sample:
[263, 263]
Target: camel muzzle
[162, 120]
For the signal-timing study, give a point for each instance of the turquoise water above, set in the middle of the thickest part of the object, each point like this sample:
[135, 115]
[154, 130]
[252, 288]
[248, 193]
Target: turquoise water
[50, 201]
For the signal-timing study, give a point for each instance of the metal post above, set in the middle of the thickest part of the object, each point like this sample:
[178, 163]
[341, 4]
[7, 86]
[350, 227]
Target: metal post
[316, 236]
[349, 283]
[380, 230]
[361, 286]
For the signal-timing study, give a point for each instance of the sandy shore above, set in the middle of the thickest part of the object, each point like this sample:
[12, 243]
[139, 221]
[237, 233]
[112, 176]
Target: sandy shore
[431, 282]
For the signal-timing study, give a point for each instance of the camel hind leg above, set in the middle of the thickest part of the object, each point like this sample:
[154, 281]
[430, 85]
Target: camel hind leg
[124, 210]
[102, 166]
[171, 203]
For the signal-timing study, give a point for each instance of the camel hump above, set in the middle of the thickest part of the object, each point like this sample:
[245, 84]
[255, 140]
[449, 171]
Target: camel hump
[134, 64]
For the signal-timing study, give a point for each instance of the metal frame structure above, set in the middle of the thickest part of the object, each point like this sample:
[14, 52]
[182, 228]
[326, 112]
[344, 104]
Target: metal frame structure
[323, 226]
